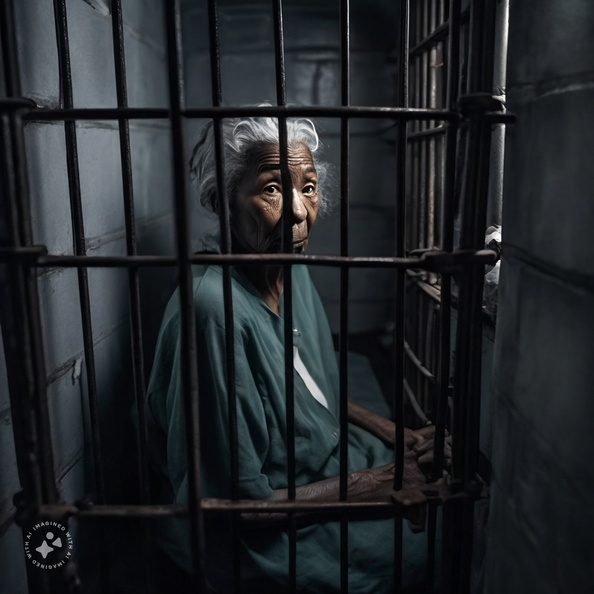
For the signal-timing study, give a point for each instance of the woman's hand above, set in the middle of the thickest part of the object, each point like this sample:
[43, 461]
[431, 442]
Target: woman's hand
[368, 485]
[420, 441]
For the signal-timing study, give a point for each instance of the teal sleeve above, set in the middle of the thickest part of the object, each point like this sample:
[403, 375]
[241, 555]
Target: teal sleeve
[166, 403]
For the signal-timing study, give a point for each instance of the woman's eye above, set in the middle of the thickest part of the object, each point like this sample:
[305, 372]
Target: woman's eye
[271, 189]
[309, 189]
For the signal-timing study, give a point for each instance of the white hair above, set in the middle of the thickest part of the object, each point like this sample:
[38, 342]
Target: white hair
[240, 137]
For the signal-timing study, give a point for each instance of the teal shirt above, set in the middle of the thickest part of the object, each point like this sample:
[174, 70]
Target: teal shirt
[261, 417]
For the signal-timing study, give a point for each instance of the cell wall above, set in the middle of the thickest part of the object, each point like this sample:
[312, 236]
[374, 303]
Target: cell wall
[539, 533]
[94, 85]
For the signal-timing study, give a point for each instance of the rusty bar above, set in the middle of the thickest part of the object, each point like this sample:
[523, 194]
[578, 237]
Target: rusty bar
[449, 534]
[345, 80]
[21, 332]
[131, 113]
[146, 113]
[187, 325]
[20, 312]
[134, 287]
[281, 99]
[438, 496]
[79, 239]
[399, 301]
[225, 227]
[138, 366]
[431, 260]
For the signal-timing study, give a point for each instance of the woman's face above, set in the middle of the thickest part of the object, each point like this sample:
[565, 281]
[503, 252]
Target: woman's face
[258, 205]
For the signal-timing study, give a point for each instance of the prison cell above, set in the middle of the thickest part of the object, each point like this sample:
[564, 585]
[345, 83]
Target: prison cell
[440, 131]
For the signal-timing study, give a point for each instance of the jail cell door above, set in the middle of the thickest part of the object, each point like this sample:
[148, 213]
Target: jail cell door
[54, 269]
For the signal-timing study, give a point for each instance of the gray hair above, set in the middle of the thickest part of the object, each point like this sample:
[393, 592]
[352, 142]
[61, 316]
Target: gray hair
[240, 137]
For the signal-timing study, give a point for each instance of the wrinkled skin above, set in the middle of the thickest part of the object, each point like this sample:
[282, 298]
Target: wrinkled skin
[256, 210]
[256, 228]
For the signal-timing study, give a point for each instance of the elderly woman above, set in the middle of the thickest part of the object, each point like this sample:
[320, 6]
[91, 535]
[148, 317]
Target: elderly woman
[253, 187]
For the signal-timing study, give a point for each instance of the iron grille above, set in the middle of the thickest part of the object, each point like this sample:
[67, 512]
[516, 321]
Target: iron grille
[433, 127]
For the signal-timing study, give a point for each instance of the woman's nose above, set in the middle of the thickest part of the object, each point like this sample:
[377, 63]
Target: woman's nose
[299, 210]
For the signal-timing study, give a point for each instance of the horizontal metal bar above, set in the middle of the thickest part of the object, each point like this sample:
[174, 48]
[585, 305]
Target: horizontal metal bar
[134, 113]
[129, 113]
[16, 103]
[427, 133]
[41, 114]
[435, 261]
[434, 37]
[438, 494]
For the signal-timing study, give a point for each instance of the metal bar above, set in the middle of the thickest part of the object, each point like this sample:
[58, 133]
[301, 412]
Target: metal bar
[21, 331]
[226, 245]
[287, 218]
[452, 81]
[134, 287]
[187, 324]
[447, 236]
[436, 261]
[10, 61]
[134, 113]
[78, 232]
[261, 506]
[345, 57]
[138, 367]
[437, 35]
[417, 363]
[430, 133]
[399, 301]
[20, 313]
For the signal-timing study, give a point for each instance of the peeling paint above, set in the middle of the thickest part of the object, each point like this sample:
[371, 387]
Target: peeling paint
[76, 370]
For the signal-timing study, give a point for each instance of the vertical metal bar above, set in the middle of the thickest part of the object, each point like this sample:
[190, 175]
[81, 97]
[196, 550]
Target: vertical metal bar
[8, 40]
[287, 219]
[187, 324]
[432, 142]
[498, 136]
[399, 302]
[138, 368]
[134, 287]
[21, 331]
[225, 226]
[78, 232]
[447, 237]
[344, 284]
[20, 314]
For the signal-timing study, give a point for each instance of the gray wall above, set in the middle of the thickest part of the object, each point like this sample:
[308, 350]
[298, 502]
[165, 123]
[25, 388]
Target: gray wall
[540, 536]
[101, 185]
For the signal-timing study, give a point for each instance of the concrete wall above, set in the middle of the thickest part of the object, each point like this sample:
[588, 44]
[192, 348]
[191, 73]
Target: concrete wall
[101, 185]
[540, 535]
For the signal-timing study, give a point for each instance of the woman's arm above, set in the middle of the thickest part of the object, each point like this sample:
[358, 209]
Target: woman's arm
[419, 441]
[374, 484]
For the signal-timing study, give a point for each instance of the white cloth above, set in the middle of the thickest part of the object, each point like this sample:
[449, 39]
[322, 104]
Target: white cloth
[307, 379]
